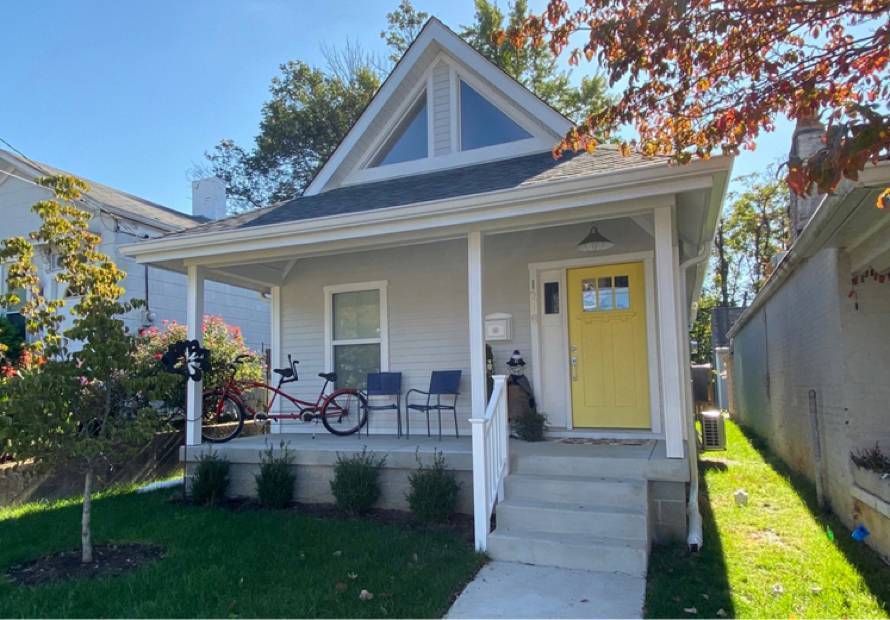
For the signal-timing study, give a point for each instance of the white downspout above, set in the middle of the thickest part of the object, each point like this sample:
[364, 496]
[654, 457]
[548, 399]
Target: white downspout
[694, 538]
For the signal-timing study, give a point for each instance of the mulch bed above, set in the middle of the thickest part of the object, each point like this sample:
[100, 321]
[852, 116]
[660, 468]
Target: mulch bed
[459, 523]
[108, 561]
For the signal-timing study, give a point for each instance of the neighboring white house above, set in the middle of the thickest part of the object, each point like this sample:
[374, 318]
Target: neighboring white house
[442, 219]
[122, 218]
[810, 355]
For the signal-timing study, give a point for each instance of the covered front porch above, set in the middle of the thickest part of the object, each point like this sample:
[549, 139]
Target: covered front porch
[420, 306]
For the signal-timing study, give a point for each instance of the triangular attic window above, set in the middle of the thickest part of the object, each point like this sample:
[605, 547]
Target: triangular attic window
[409, 141]
[482, 124]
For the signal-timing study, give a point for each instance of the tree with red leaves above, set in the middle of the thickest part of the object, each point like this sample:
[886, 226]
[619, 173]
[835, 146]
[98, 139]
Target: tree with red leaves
[699, 77]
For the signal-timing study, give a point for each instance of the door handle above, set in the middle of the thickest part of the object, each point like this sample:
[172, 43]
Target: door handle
[574, 363]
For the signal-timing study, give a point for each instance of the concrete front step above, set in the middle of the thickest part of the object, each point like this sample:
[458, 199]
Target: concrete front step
[574, 489]
[569, 551]
[645, 462]
[585, 466]
[621, 522]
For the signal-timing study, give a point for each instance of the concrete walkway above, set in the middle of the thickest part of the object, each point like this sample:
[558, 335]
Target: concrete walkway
[510, 590]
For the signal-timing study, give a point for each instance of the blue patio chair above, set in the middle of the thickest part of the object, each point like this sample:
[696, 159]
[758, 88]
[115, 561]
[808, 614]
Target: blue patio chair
[442, 383]
[385, 384]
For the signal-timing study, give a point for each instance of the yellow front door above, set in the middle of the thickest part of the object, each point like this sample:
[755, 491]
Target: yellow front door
[607, 347]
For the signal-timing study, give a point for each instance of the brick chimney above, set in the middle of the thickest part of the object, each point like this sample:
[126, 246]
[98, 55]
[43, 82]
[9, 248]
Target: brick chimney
[805, 141]
[209, 198]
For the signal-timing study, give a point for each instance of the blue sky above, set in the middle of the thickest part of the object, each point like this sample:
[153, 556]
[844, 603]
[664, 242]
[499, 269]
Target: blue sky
[132, 94]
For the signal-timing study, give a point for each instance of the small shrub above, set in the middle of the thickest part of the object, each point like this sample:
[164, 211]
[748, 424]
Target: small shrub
[356, 483]
[433, 494]
[529, 425]
[210, 480]
[872, 459]
[275, 482]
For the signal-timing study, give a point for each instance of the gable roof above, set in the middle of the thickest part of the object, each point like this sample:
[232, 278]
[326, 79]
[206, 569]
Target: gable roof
[434, 38]
[115, 201]
[515, 173]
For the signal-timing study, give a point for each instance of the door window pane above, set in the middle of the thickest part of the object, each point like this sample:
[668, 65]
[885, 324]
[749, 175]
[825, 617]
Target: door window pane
[482, 124]
[356, 315]
[622, 292]
[551, 298]
[410, 141]
[353, 362]
[605, 293]
[588, 295]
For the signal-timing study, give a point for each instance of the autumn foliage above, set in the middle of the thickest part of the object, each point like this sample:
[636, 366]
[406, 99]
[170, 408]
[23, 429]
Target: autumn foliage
[699, 77]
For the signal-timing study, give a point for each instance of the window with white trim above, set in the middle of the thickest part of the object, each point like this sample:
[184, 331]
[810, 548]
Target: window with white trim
[355, 329]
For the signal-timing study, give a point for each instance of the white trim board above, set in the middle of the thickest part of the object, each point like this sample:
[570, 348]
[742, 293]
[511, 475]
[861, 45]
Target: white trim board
[647, 258]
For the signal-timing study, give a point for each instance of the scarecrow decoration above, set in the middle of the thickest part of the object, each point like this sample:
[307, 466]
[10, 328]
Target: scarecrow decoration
[187, 358]
[520, 398]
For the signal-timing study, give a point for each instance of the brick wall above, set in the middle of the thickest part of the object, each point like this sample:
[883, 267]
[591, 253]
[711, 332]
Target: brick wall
[810, 335]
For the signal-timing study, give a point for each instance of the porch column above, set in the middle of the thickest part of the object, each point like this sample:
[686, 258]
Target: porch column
[275, 346]
[667, 283]
[477, 341]
[194, 312]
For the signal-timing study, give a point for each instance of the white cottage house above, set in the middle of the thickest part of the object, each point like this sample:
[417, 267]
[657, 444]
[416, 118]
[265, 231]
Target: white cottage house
[443, 221]
[121, 218]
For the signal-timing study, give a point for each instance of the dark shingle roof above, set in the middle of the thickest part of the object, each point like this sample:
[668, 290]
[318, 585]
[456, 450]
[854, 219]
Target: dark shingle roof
[115, 200]
[518, 172]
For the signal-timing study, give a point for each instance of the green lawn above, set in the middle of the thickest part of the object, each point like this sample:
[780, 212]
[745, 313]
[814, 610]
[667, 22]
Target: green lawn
[250, 563]
[770, 559]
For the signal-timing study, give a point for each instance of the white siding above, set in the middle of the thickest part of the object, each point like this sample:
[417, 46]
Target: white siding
[427, 292]
[441, 98]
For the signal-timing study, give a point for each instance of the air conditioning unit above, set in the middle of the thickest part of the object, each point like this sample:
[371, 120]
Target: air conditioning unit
[713, 431]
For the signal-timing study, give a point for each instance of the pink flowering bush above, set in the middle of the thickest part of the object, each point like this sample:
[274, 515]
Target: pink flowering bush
[225, 342]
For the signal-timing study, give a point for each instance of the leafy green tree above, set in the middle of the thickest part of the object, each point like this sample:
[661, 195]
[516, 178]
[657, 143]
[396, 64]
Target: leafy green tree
[79, 410]
[533, 67]
[403, 26]
[755, 228]
[308, 113]
[700, 334]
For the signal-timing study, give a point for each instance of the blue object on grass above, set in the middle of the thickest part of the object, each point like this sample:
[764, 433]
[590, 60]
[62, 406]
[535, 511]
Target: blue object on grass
[860, 533]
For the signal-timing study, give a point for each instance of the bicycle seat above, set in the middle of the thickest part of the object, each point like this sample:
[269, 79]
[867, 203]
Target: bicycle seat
[328, 376]
[287, 373]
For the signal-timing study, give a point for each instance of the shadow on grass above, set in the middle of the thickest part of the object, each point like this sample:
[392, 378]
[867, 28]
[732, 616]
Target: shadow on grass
[679, 580]
[874, 571]
[706, 465]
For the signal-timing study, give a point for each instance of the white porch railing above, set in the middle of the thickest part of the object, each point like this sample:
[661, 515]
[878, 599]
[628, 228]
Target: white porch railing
[491, 461]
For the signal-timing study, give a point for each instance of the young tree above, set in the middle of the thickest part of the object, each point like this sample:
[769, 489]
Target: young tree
[75, 410]
[707, 76]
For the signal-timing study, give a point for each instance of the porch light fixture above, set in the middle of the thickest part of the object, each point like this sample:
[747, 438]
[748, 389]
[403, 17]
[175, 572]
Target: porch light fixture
[594, 241]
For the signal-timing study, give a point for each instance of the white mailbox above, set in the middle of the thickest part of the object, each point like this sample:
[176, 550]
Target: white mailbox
[499, 326]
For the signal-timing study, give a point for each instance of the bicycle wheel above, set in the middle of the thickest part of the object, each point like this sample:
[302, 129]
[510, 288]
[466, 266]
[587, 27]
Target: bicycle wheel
[345, 412]
[222, 417]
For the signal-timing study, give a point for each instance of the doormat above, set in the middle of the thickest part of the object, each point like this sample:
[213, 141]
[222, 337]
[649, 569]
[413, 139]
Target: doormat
[587, 441]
